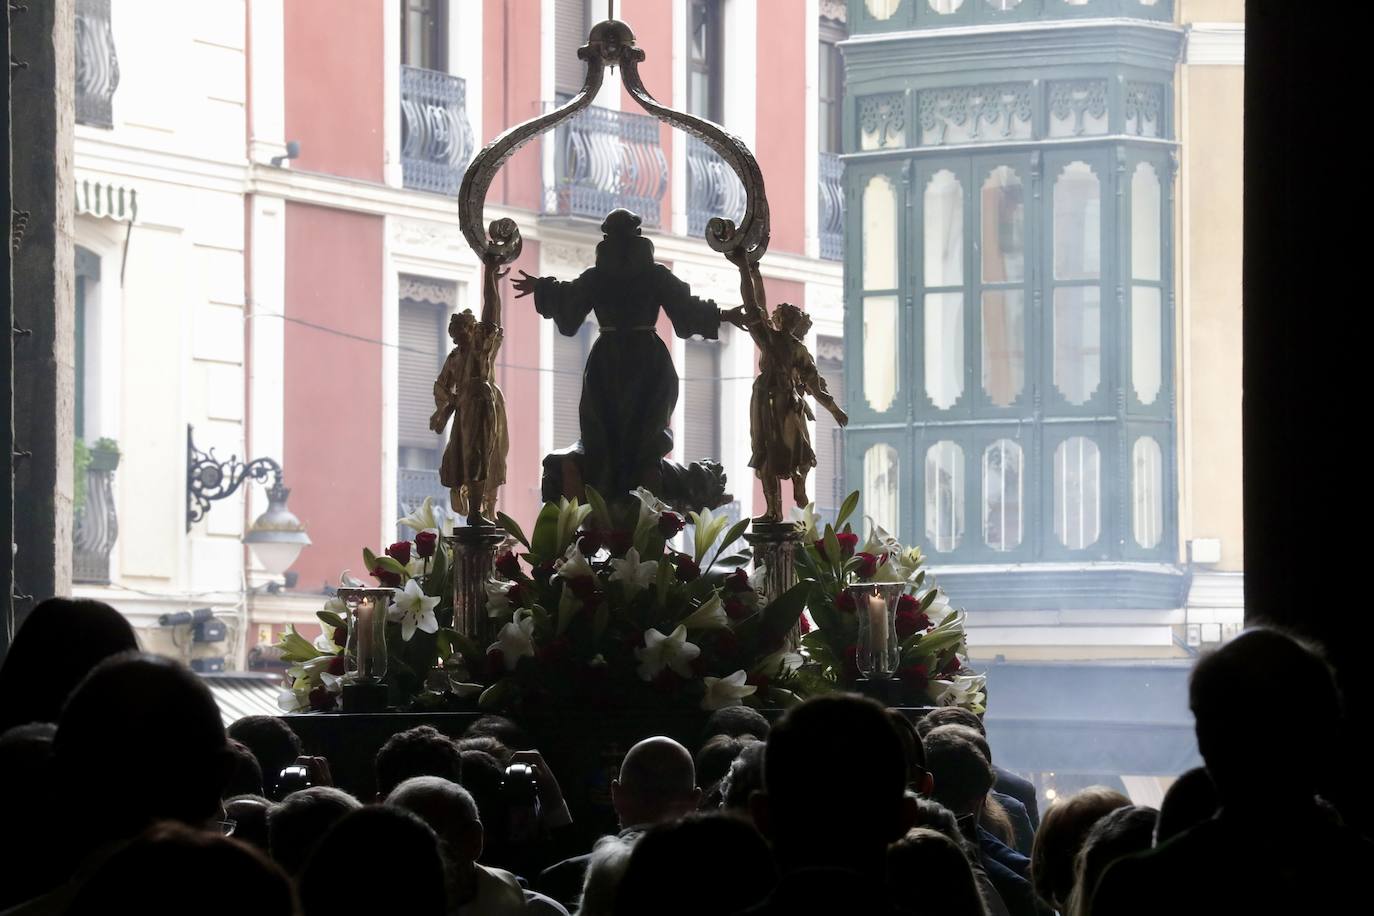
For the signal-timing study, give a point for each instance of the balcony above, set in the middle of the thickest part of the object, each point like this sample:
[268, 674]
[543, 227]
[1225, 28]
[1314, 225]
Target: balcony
[900, 15]
[713, 189]
[97, 67]
[436, 139]
[94, 523]
[831, 209]
[605, 159]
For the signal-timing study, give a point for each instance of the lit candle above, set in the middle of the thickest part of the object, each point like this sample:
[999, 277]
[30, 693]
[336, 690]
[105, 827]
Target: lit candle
[877, 631]
[365, 614]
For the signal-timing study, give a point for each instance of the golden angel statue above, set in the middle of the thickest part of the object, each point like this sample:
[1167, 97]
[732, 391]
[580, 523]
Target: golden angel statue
[474, 464]
[780, 441]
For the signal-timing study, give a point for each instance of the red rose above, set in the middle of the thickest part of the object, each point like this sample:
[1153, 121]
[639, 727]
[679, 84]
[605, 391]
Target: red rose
[909, 622]
[425, 542]
[543, 572]
[341, 636]
[400, 552]
[804, 624]
[516, 595]
[848, 541]
[908, 604]
[952, 666]
[508, 565]
[738, 581]
[670, 523]
[582, 586]
[736, 609]
[844, 602]
[590, 542]
[916, 677]
[761, 681]
[620, 542]
[868, 565]
[386, 576]
[687, 568]
[336, 665]
[321, 700]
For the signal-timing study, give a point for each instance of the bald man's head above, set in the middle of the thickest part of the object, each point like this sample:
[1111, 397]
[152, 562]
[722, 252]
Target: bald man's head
[657, 783]
[447, 808]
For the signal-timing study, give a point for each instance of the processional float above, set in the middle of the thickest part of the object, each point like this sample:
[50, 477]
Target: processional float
[474, 465]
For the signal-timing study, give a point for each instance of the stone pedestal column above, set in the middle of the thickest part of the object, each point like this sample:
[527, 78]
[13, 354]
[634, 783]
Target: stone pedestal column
[474, 560]
[775, 545]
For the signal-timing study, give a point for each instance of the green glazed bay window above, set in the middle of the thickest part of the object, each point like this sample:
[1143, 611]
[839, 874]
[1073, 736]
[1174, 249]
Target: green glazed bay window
[1009, 288]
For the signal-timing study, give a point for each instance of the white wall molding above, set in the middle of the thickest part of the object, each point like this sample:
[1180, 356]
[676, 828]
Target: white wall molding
[1215, 44]
[267, 105]
[812, 170]
[391, 92]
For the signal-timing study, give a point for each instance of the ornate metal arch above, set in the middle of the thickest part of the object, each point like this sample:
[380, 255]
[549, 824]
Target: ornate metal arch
[612, 44]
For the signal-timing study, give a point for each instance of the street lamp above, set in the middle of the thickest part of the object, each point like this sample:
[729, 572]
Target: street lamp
[277, 537]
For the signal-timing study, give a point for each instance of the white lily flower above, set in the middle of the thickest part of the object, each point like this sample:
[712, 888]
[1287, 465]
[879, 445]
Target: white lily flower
[332, 682]
[726, 691]
[810, 520]
[635, 575]
[347, 580]
[498, 598]
[289, 700]
[325, 644]
[650, 508]
[416, 566]
[414, 609]
[335, 604]
[428, 517]
[575, 566]
[966, 690]
[706, 528]
[779, 663]
[710, 616]
[939, 609]
[571, 515]
[516, 639]
[671, 651]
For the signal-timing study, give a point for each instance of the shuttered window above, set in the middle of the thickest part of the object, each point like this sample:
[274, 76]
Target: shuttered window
[569, 360]
[827, 483]
[423, 340]
[572, 21]
[701, 414]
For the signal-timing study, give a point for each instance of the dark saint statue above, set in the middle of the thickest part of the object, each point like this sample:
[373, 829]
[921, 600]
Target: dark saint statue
[629, 387]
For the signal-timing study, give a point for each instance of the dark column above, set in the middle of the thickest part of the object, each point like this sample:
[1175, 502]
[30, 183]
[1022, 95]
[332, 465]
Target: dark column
[1307, 353]
[7, 373]
[42, 119]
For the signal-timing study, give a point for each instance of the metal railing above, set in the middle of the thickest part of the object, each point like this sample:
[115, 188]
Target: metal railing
[95, 525]
[436, 139]
[605, 159]
[97, 67]
[712, 188]
[412, 486]
[831, 210]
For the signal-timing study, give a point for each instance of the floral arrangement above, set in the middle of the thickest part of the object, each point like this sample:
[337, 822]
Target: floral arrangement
[597, 607]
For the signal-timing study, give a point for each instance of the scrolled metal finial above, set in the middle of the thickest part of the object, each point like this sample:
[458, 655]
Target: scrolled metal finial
[612, 42]
[505, 240]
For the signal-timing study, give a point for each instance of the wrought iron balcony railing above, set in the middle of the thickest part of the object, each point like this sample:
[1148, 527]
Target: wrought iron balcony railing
[436, 139]
[712, 188]
[831, 210]
[605, 159]
[95, 525]
[97, 67]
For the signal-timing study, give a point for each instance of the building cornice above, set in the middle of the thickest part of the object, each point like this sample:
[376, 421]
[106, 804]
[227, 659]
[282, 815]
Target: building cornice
[1215, 44]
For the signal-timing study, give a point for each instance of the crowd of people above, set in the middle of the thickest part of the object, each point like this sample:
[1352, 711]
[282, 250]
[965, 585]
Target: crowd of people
[121, 791]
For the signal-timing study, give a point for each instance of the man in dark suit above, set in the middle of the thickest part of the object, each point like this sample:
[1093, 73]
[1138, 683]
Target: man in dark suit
[657, 783]
[1006, 782]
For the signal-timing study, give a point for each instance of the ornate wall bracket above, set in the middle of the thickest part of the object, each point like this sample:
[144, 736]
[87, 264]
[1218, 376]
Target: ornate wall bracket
[208, 478]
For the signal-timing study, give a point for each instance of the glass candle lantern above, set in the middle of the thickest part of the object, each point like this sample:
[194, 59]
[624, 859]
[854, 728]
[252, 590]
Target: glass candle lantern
[366, 631]
[879, 649]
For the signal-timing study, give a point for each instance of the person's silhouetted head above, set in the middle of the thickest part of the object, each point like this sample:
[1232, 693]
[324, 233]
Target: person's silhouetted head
[482, 777]
[448, 809]
[848, 742]
[950, 715]
[30, 831]
[57, 645]
[1232, 696]
[143, 735]
[743, 779]
[487, 744]
[1116, 834]
[727, 852]
[419, 751]
[504, 730]
[713, 762]
[171, 870]
[296, 825]
[963, 777]
[1191, 800]
[378, 859]
[272, 742]
[918, 777]
[248, 814]
[1063, 828]
[927, 872]
[934, 816]
[657, 783]
[246, 777]
[736, 721]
